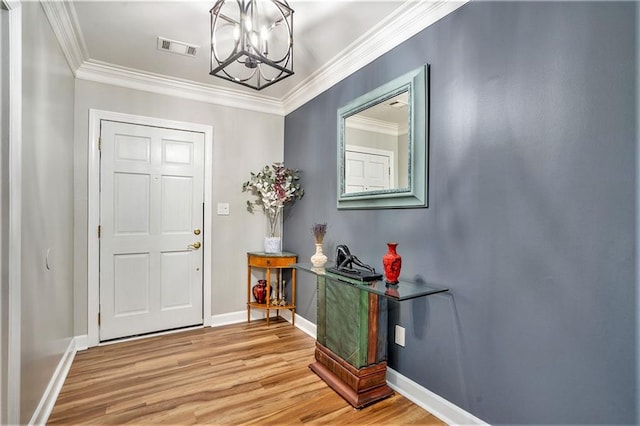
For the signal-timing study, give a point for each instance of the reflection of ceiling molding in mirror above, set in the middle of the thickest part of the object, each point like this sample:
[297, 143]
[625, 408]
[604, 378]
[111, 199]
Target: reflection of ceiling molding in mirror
[382, 146]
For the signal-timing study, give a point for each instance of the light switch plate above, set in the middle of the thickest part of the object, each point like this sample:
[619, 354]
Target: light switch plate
[400, 336]
[223, 209]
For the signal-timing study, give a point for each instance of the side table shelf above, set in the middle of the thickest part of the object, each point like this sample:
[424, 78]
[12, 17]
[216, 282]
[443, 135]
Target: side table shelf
[269, 261]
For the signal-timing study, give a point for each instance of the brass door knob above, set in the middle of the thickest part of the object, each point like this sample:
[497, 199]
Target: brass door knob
[195, 245]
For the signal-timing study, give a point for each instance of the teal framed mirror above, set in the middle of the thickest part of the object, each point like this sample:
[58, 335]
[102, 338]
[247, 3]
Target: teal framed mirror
[383, 146]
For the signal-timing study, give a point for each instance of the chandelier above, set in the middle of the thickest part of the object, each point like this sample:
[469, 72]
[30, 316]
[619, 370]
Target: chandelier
[252, 41]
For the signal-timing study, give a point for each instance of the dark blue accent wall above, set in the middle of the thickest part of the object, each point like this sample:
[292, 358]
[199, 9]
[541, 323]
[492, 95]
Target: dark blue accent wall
[531, 218]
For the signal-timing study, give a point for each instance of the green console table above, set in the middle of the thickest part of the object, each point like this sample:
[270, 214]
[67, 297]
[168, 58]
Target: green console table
[351, 342]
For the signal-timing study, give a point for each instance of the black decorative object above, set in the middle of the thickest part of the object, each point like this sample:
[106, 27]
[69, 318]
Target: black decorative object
[345, 262]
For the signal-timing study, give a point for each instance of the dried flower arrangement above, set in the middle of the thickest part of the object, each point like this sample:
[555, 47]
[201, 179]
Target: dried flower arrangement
[274, 186]
[319, 231]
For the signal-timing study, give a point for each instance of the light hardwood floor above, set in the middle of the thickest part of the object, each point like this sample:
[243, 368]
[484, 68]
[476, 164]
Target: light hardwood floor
[237, 374]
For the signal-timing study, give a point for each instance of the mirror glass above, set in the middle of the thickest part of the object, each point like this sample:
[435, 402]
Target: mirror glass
[382, 146]
[376, 146]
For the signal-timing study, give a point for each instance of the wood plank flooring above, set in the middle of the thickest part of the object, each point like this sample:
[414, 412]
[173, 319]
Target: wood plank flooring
[237, 374]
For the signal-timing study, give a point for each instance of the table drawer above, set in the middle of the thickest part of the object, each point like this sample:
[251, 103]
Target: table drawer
[272, 262]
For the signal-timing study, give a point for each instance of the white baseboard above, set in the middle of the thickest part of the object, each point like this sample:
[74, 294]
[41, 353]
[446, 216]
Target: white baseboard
[307, 326]
[82, 342]
[48, 400]
[433, 403]
[239, 316]
[303, 324]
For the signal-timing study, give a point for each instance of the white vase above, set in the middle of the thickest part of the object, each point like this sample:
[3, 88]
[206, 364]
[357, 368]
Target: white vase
[272, 244]
[318, 260]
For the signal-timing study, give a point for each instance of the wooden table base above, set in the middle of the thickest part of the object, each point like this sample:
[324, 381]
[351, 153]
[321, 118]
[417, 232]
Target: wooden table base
[359, 387]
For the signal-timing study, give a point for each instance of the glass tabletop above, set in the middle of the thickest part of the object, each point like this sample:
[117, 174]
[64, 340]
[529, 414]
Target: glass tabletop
[404, 290]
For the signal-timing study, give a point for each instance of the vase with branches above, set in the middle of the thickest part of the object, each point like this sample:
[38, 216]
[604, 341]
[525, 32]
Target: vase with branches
[274, 186]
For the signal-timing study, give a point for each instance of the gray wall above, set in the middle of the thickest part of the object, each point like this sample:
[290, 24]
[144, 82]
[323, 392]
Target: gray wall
[47, 206]
[531, 218]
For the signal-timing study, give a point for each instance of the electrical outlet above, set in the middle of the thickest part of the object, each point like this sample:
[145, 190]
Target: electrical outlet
[400, 336]
[223, 209]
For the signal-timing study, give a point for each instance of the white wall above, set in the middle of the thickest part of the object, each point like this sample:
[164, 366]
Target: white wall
[243, 141]
[47, 207]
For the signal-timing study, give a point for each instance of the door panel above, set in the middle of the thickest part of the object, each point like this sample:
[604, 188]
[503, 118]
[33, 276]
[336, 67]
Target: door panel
[366, 172]
[175, 267]
[151, 197]
[131, 284]
[177, 203]
[131, 203]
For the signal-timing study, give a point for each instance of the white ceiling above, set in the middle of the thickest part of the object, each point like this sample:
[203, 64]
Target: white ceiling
[116, 41]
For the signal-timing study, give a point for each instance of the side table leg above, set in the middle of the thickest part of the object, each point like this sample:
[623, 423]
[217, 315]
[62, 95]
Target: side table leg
[268, 301]
[248, 294]
[293, 296]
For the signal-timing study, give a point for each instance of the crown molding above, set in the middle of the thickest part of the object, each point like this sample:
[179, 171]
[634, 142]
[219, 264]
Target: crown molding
[405, 22]
[102, 72]
[64, 22]
[372, 125]
[11, 4]
[411, 18]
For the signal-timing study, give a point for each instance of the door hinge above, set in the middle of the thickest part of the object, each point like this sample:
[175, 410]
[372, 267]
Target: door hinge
[99, 231]
[99, 143]
[98, 318]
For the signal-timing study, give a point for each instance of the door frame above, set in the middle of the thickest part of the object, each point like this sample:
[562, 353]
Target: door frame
[10, 385]
[93, 201]
[376, 151]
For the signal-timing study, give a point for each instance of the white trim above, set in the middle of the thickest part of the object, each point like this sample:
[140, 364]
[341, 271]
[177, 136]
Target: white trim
[15, 210]
[102, 72]
[433, 403]
[93, 198]
[81, 342]
[64, 24]
[48, 399]
[411, 18]
[240, 316]
[405, 22]
[369, 150]
[307, 326]
[369, 124]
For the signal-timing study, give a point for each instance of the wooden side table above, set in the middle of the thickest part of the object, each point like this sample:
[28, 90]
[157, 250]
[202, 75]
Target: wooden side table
[269, 261]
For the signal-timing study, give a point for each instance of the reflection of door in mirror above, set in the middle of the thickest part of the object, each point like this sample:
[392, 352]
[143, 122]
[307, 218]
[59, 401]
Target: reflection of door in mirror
[376, 151]
[368, 169]
[390, 121]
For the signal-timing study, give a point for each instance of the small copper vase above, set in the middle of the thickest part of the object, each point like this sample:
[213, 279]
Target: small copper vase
[392, 262]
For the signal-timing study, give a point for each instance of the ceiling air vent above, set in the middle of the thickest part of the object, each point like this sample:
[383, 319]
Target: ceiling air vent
[397, 103]
[179, 47]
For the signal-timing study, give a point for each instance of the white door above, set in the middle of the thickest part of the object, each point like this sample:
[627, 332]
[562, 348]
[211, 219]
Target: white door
[366, 172]
[151, 221]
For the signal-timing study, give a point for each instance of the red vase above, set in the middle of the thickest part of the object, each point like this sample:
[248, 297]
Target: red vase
[391, 263]
[260, 291]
